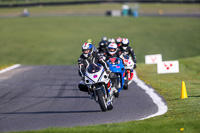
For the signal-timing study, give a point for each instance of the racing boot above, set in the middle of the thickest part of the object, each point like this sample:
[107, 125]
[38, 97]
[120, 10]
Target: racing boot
[115, 92]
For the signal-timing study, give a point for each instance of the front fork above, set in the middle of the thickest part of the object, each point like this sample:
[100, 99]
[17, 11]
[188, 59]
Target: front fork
[94, 89]
[107, 91]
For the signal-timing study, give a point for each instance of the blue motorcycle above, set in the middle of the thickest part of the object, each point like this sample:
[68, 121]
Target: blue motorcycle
[116, 66]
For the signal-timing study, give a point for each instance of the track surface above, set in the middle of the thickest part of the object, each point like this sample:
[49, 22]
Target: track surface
[37, 97]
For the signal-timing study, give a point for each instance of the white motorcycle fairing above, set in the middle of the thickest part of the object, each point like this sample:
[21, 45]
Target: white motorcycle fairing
[100, 76]
[129, 64]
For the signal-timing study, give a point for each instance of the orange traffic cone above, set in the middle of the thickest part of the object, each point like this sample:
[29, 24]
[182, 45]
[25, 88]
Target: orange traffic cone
[183, 91]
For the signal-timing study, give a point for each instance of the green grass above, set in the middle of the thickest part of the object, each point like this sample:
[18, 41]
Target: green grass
[58, 40]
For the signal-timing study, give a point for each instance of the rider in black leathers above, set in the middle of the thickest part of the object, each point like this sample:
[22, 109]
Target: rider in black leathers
[102, 49]
[89, 56]
[125, 49]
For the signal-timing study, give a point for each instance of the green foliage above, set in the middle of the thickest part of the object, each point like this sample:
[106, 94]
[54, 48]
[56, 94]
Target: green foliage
[185, 112]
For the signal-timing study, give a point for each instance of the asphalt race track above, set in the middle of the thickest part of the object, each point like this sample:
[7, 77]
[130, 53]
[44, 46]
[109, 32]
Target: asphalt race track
[38, 97]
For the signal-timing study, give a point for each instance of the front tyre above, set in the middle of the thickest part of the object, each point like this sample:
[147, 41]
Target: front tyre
[125, 87]
[102, 100]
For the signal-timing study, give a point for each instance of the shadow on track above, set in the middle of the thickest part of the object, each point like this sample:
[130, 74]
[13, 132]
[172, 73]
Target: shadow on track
[64, 97]
[51, 112]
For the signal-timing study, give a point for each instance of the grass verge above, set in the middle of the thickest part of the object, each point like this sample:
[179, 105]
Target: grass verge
[3, 66]
[58, 40]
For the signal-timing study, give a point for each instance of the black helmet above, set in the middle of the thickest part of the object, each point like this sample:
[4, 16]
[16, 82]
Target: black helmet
[102, 44]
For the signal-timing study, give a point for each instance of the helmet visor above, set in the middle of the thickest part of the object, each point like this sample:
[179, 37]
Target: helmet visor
[112, 49]
[124, 45]
[86, 51]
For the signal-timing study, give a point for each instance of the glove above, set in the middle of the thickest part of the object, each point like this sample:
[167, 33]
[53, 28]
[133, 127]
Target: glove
[122, 56]
[135, 65]
[112, 75]
[108, 71]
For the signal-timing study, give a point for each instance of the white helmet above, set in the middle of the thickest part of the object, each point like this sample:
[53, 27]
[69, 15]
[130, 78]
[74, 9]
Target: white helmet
[112, 48]
[104, 38]
[110, 40]
[87, 49]
[125, 43]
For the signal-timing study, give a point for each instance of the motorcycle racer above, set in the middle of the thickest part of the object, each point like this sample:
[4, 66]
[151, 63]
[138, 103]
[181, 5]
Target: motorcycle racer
[125, 49]
[87, 57]
[111, 40]
[112, 51]
[119, 41]
[105, 39]
[102, 49]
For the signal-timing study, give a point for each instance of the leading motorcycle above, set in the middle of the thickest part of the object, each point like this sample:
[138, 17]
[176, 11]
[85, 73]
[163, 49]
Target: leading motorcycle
[99, 86]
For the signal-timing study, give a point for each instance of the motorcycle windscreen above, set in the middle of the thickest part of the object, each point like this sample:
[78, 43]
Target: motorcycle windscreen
[114, 61]
[93, 68]
[126, 57]
[125, 60]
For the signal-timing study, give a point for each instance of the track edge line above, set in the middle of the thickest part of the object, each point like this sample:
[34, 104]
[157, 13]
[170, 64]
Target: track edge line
[162, 106]
[9, 68]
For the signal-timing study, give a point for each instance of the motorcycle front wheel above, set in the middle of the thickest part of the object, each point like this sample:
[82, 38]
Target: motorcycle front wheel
[102, 100]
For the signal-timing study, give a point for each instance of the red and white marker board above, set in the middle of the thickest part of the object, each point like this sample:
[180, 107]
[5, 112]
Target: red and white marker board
[168, 67]
[153, 59]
